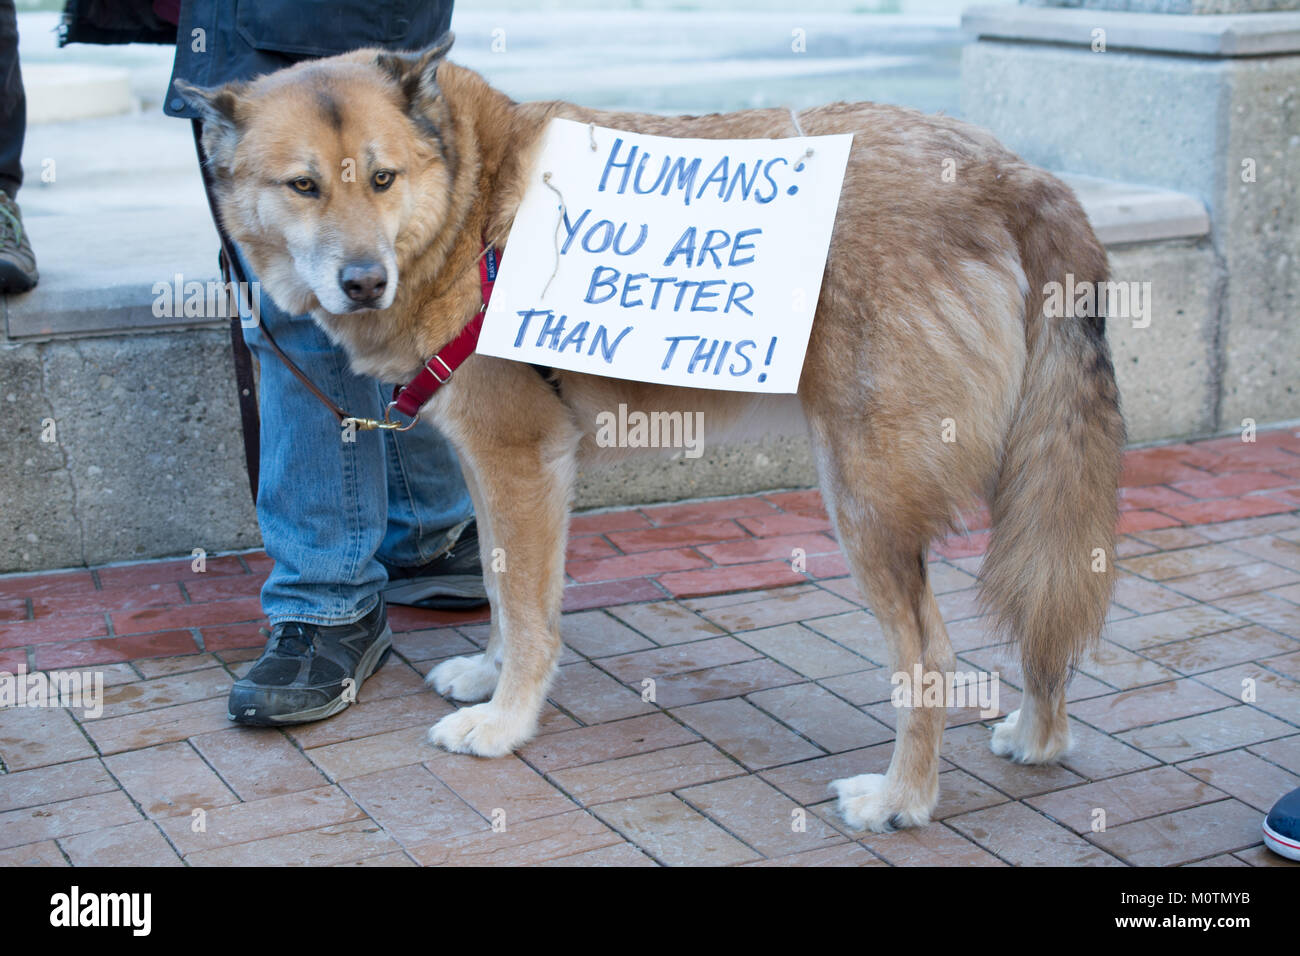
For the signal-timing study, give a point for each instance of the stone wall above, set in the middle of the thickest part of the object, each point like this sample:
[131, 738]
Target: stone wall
[1205, 105]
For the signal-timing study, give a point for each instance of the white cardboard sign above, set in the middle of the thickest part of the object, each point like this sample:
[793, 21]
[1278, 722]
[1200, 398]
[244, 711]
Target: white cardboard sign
[693, 262]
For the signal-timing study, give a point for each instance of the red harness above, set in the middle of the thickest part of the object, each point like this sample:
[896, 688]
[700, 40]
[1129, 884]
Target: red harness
[411, 397]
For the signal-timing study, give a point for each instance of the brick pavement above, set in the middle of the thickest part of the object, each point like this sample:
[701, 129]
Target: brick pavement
[769, 683]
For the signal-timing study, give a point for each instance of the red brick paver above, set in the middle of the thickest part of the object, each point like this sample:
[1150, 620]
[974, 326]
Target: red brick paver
[720, 670]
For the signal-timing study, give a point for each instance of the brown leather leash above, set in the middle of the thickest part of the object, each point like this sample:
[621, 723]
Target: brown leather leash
[246, 387]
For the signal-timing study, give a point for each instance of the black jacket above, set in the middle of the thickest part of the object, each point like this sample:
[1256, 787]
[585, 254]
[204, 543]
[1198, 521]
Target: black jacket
[222, 40]
[114, 21]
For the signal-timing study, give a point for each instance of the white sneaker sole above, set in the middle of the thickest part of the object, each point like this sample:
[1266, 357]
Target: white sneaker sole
[1281, 845]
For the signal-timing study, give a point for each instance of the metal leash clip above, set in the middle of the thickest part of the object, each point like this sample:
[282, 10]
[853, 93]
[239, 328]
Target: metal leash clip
[370, 424]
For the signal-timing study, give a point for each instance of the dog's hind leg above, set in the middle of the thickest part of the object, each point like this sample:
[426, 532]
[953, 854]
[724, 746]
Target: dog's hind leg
[884, 534]
[906, 794]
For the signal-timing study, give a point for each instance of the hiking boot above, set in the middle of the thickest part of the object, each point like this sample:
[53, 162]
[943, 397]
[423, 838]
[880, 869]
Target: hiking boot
[1282, 827]
[309, 672]
[17, 261]
[453, 581]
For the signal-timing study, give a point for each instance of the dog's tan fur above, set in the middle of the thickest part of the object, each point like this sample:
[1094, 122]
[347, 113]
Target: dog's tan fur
[931, 308]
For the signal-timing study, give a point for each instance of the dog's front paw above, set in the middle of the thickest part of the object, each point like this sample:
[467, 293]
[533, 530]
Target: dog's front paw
[1021, 743]
[865, 803]
[465, 678]
[484, 730]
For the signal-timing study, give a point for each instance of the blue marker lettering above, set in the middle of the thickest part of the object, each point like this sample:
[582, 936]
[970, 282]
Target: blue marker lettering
[611, 164]
[551, 329]
[610, 280]
[572, 230]
[735, 298]
[601, 341]
[576, 338]
[701, 356]
[674, 341]
[767, 174]
[529, 315]
[740, 352]
[632, 284]
[738, 246]
[702, 293]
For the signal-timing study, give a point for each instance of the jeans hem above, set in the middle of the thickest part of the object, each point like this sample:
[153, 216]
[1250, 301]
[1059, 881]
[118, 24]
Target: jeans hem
[323, 620]
[449, 539]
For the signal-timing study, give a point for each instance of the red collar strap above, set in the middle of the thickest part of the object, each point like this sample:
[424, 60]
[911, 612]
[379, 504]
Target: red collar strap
[411, 397]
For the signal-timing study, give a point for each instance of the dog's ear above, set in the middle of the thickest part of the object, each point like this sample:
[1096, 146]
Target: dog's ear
[219, 108]
[417, 73]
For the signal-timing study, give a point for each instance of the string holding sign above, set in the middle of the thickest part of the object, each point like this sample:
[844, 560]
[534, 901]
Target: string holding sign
[798, 128]
[559, 221]
[794, 118]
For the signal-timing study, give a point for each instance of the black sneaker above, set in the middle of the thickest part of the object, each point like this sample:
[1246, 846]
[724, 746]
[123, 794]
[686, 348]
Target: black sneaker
[1282, 827]
[309, 672]
[453, 581]
[17, 261]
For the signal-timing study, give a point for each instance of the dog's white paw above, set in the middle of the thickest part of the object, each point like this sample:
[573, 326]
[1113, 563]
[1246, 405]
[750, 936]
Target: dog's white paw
[865, 803]
[1015, 741]
[484, 730]
[465, 678]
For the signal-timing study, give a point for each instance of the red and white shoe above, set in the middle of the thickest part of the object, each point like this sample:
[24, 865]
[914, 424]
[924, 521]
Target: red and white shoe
[1282, 827]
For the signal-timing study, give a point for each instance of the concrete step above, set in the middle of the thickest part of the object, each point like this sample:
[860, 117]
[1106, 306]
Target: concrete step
[1125, 213]
[58, 93]
[1228, 35]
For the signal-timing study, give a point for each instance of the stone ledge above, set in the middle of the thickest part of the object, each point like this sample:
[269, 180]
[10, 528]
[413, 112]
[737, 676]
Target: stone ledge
[99, 276]
[1122, 213]
[1229, 35]
[95, 283]
[59, 92]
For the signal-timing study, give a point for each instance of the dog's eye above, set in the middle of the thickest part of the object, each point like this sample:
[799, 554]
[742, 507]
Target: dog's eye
[383, 179]
[303, 185]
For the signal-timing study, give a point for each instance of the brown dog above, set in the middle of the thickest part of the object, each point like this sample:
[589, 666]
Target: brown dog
[931, 317]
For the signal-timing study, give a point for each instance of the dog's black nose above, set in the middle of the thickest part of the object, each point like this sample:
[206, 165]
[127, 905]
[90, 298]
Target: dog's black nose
[364, 282]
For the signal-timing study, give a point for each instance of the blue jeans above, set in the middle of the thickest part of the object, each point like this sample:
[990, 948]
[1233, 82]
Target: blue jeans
[331, 510]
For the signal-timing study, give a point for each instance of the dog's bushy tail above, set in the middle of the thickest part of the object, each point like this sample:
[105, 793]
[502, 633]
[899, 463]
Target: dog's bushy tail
[1049, 570]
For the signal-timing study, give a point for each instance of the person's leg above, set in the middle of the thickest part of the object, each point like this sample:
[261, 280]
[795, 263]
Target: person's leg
[324, 510]
[13, 102]
[431, 550]
[321, 506]
[17, 262]
[337, 516]
[322, 502]
[428, 503]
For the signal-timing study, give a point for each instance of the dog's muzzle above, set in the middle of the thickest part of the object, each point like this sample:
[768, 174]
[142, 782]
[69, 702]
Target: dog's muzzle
[364, 282]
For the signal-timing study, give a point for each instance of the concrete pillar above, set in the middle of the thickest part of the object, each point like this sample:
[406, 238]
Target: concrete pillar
[1198, 96]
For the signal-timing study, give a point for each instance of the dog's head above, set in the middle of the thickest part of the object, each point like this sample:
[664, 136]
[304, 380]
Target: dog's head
[320, 169]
